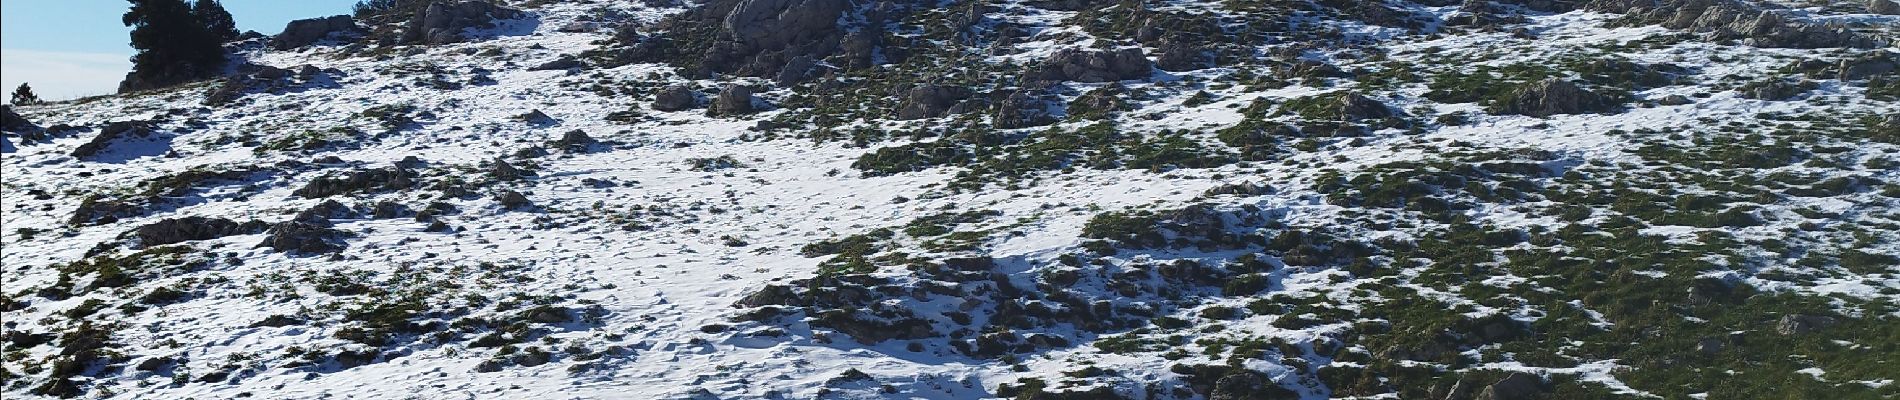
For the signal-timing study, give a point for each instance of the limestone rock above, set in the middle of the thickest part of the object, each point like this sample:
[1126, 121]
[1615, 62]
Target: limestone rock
[1554, 97]
[1093, 66]
[675, 98]
[1796, 324]
[112, 132]
[1021, 110]
[931, 101]
[1883, 7]
[178, 230]
[443, 22]
[734, 100]
[305, 32]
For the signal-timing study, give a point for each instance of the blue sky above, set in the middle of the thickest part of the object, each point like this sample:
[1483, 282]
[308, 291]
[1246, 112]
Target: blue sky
[73, 48]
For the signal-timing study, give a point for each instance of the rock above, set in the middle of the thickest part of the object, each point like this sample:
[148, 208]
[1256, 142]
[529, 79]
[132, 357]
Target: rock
[443, 22]
[1021, 110]
[1776, 90]
[1709, 345]
[153, 363]
[1248, 385]
[1883, 7]
[931, 101]
[575, 140]
[13, 122]
[99, 210]
[563, 63]
[677, 97]
[512, 199]
[1357, 107]
[503, 171]
[304, 237]
[355, 181]
[1179, 56]
[1866, 66]
[547, 315]
[536, 117]
[305, 32]
[1080, 65]
[1554, 96]
[1734, 20]
[1518, 386]
[1674, 100]
[322, 213]
[112, 132]
[178, 230]
[251, 78]
[1796, 324]
[734, 100]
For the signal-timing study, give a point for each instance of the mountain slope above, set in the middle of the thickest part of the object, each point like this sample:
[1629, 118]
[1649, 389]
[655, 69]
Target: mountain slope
[1021, 199]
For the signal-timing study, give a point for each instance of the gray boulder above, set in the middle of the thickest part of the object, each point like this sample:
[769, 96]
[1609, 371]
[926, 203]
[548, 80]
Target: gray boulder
[1093, 66]
[510, 199]
[1796, 324]
[734, 100]
[1869, 65]
[305, 32]
[1357, 107]
[675, 98]
[1776, 90]
[113, 132]
[1518, 386]
[13, 122]
[178, 230]
[1553, 97]
[1883, 7]
[356, 181]
[1734, 20]
[1674, 100]
[1021, 110]
[931, 101]
[443, 22]
[304, 237]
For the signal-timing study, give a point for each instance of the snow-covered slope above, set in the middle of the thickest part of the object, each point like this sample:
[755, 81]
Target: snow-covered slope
[1268, 199]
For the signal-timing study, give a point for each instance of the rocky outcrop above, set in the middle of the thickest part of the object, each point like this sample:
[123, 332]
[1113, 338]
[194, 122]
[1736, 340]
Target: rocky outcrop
[503, 171]
[1796, 324]
[1734, 20]
[357, 181]
[112, 132]
[13, 122]
[510, 199]
[1080, 65]
[443, 22]
[1776, 90]
[575, 140]
[305, 32]
[1883, 7]
[256, 78]
[1357, 107]
[179, 230]
[1021, 110]
[675, 97]
[932, 101]
[304, 237]
[734, 100]
[1554, 97]
[1867, 66]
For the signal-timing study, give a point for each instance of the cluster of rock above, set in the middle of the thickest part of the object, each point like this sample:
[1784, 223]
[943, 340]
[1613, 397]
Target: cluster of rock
[1735, 20]
[305, 32]
[394, 178]
[444, 22]
[1554, 96]
[1081, 65]
[256, 78]
[179, 230]
[111, 133]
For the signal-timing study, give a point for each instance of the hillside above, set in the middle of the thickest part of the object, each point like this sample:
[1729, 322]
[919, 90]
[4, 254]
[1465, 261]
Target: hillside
[1029, 199]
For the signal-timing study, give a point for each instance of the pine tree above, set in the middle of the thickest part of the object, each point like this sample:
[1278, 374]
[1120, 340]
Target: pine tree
[24, 96]
[173, 46]
[215, 19]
